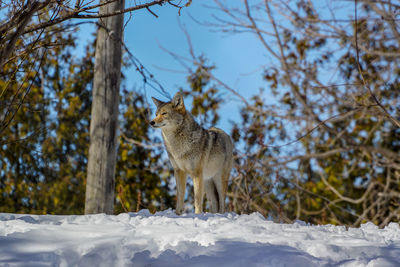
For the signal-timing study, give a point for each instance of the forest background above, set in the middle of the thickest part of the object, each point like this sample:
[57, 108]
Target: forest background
[308, 90]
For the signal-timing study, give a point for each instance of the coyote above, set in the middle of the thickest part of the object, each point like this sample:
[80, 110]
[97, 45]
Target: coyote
[204, 155]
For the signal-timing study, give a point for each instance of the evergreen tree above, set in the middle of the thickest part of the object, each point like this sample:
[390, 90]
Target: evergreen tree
[44, 147]
[26, 124]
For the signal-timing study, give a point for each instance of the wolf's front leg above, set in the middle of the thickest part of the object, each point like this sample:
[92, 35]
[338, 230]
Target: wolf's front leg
[198, 183]
[180, 178]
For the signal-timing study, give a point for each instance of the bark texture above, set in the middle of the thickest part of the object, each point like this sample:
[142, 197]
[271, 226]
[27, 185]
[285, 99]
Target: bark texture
[104, 119]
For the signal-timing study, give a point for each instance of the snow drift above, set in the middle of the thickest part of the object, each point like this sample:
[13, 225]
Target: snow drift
[165, 239]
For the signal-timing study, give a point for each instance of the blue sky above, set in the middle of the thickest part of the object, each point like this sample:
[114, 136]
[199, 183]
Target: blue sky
[239, 59]
[235, 56]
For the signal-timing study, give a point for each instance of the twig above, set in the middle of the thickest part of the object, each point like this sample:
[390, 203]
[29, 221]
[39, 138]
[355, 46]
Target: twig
[138, 143]
[343, 198]
[396, 122]
[139, 200]
[314, 128]
[3, 127]
[75, 14]
[148, 78]
[24, 20]
[42, 130]
[154, 14]
[336, 85]
[121, 198]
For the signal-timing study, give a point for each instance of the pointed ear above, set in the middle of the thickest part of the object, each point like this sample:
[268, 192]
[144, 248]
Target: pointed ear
[157, 102]
[177, 101]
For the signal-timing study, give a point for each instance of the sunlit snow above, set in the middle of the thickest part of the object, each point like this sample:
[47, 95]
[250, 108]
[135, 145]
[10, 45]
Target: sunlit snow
[165, 239]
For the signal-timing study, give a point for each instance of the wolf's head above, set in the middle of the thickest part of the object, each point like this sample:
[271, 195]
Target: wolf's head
[170, 114]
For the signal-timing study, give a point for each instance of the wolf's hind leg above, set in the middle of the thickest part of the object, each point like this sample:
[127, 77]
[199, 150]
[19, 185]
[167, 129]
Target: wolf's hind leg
[212, 195]
[221, 185]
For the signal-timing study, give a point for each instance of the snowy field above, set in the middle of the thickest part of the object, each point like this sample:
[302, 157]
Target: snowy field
[165, 239]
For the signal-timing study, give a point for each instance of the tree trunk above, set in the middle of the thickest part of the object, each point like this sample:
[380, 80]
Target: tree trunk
[104, 119]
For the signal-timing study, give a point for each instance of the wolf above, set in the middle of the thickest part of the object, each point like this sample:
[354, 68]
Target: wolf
[204, 155]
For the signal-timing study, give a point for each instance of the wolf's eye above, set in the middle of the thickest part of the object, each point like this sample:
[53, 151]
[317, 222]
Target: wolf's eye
[164, 113]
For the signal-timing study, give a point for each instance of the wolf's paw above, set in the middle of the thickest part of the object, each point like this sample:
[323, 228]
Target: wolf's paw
[179, 211]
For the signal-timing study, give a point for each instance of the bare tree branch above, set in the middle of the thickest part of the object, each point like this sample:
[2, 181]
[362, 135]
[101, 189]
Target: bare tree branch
[395, 121]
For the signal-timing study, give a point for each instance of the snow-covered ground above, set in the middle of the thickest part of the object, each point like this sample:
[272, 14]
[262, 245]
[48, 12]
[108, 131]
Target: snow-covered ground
[165, 239]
